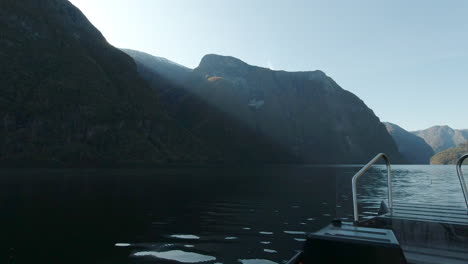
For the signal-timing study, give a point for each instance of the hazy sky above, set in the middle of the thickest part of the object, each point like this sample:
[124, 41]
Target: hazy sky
[407, 59]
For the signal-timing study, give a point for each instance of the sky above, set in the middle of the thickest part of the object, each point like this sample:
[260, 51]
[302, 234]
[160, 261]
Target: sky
[406, 59]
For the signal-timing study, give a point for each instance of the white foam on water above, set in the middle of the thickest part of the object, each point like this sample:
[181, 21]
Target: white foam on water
[265, 233]
[270, 250]
[300, 239]
[256, 261]
[177, 255]
[189, 246]
[246, 228]
[122, 244]
[295, 232]
[230, 238]
[185, 236]
[265, 242]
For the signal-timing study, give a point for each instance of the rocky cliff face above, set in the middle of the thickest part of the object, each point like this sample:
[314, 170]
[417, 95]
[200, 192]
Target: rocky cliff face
[67, 96]
[413, 148]
[305, 113]
[441, 138]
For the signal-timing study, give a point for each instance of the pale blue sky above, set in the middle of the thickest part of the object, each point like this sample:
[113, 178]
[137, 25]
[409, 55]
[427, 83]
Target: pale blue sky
[407, 59]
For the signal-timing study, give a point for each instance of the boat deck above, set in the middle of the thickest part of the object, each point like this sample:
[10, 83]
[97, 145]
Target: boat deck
[427, 233]
[429, 212]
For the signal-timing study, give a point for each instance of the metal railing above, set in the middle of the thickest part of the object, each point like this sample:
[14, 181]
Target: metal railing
[462, 179]
[361, 172]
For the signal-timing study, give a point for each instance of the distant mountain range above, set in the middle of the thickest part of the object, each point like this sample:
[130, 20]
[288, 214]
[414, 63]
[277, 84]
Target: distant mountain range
[441, 138]
[69, 98]
[306, 113]
[418, 147]
[413, 148]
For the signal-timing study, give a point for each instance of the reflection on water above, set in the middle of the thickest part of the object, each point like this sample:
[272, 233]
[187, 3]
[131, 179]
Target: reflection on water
[185, 236]
[177, 255]
[122, 244]
[256, 261]
[295, 232]
[191, 215]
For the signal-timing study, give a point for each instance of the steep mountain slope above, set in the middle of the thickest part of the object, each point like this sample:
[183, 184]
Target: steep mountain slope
[172, 71]
[67, 96]
[413, 148]
[450, 156]
[441, 138]
[306, 113]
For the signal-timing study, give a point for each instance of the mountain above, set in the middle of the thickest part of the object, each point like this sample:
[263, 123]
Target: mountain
[306, 113]
[171, 70]
[413, 148]
[68, 97]
[232, 140]
[450, 156]
[441, 138]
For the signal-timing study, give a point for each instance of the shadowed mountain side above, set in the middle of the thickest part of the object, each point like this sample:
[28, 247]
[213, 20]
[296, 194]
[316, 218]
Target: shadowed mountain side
[450, 156]
[413, 148]
[232, 140]
[441, 138]
[68, 97]
[306, 113]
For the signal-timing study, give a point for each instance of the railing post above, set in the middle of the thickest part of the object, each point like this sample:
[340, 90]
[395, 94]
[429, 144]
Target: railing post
[462, 178]
[361, 172]
[389, 183]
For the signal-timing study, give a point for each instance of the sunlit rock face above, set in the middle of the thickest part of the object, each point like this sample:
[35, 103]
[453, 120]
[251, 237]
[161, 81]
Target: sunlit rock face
[413, 148]
[305, 113]
[451, 155]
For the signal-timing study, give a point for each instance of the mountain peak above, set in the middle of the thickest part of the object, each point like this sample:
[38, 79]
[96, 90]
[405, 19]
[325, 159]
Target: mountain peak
[215, 60]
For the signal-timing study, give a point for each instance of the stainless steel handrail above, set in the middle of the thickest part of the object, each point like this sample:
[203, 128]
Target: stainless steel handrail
[462, 179]
[361, 172]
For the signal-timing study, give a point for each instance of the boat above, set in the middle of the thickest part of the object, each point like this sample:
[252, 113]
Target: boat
[398, 233]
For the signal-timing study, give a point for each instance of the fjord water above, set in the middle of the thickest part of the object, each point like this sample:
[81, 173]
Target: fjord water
[192, 215]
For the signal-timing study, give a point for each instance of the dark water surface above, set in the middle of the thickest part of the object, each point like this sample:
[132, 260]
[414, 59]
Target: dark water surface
[191, 215]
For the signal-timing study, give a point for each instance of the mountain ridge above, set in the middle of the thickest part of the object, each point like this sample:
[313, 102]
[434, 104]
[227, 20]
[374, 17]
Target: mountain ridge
[443, 137]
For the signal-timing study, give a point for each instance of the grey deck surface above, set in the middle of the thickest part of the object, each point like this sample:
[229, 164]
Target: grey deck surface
[430, 233]
[346, 231]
